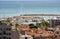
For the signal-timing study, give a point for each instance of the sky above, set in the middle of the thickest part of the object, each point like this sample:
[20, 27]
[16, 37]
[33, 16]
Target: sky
[30, 0]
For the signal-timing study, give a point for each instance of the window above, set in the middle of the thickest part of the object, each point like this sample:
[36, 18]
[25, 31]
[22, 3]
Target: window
[6, 37]
[4, 32]
[0, 33]
[0, 37]
[25, 37]
[8, 28]
[1, 29]
[8, 33]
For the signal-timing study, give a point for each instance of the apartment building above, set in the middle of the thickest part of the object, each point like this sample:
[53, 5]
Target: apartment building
[6, 32]
[54, 22]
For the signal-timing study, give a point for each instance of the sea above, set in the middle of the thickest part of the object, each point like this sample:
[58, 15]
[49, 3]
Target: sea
[15, 8]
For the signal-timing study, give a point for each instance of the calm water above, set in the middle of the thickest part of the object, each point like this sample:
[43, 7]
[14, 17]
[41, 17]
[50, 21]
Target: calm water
[9, 8]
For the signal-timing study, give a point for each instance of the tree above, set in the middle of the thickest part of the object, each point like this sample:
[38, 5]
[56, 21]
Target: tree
[11, 24]
[8, 20]
[33, 26]
[38, 24]
[44, 23]
[16, 25]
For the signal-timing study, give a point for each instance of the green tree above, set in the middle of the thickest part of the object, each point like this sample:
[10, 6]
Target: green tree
[44, 23]
[33, 26]
[38, 24]
[16, 25]
[8, 20]
[11, 24]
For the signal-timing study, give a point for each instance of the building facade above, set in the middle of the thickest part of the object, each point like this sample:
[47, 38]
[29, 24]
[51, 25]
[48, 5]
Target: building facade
[6, 32]
[54, 22]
